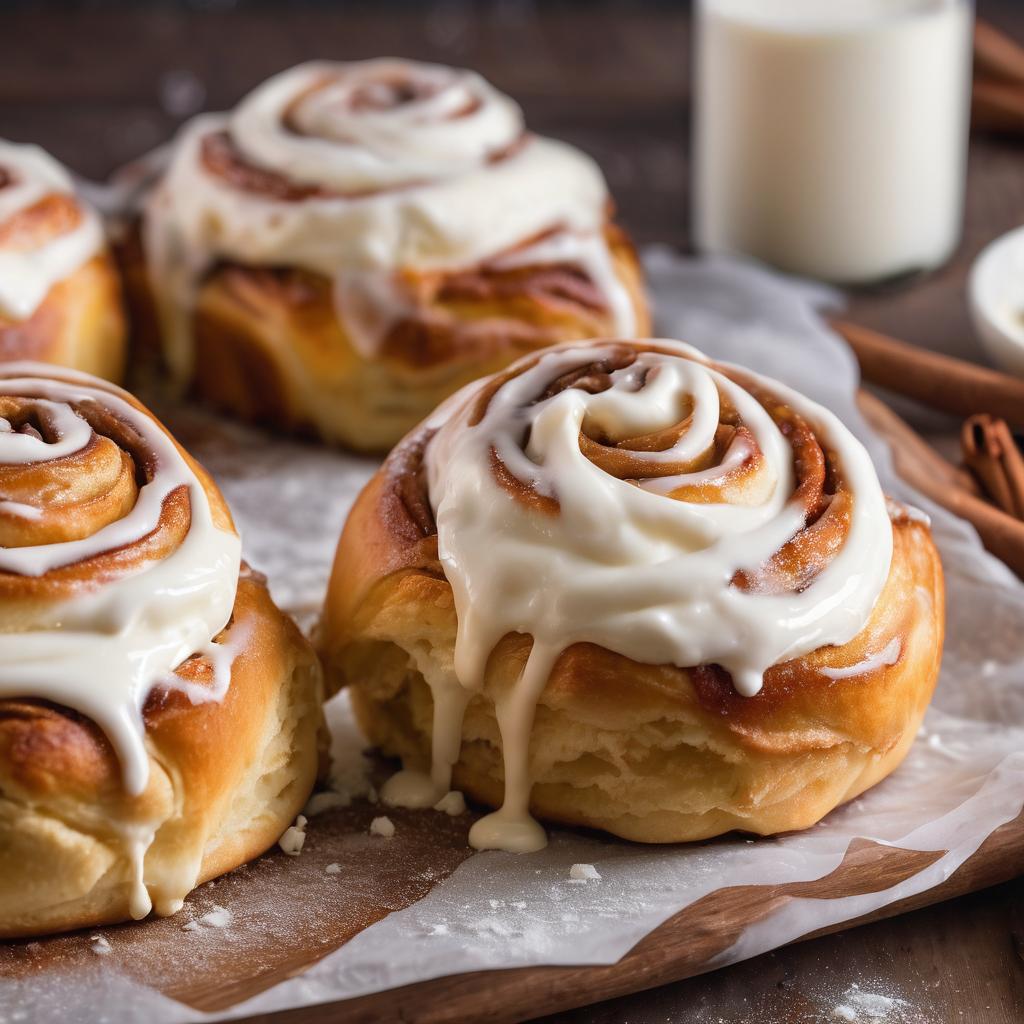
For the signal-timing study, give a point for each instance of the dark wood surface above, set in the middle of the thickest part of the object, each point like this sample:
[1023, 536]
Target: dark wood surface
[100, 83]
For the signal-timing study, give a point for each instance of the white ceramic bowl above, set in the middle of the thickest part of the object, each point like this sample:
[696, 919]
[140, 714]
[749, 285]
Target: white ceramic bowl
[995, 292]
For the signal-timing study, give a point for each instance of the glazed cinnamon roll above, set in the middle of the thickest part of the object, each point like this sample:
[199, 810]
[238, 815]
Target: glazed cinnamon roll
[356, 241]
[159, 717]
[60, 298]
[621, 586]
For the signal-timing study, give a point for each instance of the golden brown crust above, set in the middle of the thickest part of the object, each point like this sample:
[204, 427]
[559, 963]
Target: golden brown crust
[270, 348]
[226, 779]
[653, 753]
[226, 776]
[80, 323]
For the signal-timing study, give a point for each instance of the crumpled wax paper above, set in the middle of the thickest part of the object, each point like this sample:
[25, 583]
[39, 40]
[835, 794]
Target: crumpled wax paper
[962, 780]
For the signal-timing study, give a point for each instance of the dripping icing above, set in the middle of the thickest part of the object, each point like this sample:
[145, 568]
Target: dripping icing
[102, 653]
[423, 194]
[622, 565]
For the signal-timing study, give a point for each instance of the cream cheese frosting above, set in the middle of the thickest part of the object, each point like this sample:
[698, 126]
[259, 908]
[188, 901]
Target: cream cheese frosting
[622, 564]
[28, 274]
[101, 653]
[443, 179]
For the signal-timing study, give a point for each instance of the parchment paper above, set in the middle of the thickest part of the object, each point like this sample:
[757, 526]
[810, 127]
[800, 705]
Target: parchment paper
[963, 779]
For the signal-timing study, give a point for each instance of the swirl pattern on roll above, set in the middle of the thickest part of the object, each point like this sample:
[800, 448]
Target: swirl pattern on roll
[46, 233]
[639, 497]
[643, 498]
[115, 565]
[360, 171]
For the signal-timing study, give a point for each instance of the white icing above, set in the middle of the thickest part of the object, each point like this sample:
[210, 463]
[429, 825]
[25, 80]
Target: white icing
[887, 656]
[26, 275]
[101, 653]
[621, 565]
[20, 509]
[421, 194]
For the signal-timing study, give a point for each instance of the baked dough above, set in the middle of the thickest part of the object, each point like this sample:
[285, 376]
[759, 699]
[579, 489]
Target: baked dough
[60, 295]
[357, 241]
[652, 752]
[103, 815]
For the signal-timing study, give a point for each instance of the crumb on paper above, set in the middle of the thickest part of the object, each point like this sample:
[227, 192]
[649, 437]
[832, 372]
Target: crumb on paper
[99, 944]
[584, 873]
[333, 869]
[843, 1012]
[452, 803]
[382, 826]
[325, 801]
[294, 837]
[218, 917]
[437, 929]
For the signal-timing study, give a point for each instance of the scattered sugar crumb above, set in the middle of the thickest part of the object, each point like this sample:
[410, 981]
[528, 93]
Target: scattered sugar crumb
[320, 802]
[333, 869]
[452, 803]
[219, 917]
[496, 903]
[372, 795]
[518, 905]
[437, 929]
[294, 837]
[584, 873]
[858, 1005]
[382, 826]
[99, 944]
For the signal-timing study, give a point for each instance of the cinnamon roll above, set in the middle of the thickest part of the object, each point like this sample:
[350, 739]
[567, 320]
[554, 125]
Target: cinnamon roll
[159, 717]
[60, 297]
[621, 586]
[357, 240]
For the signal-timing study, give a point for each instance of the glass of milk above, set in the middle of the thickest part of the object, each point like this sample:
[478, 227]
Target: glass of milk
[830, 136]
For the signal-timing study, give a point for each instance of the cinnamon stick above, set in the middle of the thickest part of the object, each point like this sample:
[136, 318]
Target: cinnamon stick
[991, 453]
[923, 468]
[997, 106]
[997, 55]
[942, 382]
[997, 99]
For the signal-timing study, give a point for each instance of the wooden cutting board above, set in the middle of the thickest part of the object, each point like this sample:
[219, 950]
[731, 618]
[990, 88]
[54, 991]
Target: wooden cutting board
[288, 913]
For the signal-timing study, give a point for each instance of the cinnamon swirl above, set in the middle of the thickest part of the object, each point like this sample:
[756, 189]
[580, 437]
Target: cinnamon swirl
[621, 586]
[159, 716]
[60, 297]
[356, 241]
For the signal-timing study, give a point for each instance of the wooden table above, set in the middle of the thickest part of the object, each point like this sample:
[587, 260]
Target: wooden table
[101, 84]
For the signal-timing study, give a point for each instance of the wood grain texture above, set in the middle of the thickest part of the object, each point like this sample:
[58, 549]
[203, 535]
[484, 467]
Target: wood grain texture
[680, 948]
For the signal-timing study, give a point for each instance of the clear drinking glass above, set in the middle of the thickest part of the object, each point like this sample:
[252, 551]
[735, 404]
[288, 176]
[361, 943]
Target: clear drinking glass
[830, 136]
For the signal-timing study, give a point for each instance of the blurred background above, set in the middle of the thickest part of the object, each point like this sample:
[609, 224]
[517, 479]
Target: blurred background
[99, 83]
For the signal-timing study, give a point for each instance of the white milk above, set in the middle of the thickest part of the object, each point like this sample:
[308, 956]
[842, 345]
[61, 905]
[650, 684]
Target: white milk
[830, 136]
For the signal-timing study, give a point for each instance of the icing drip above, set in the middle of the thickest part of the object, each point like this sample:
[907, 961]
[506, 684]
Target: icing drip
[887, 656]
[646, 565]
[102, 652]
[404, 166]
[27, 274]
